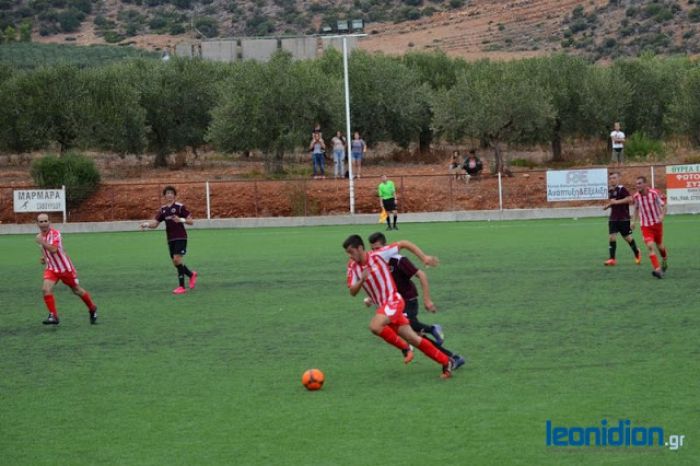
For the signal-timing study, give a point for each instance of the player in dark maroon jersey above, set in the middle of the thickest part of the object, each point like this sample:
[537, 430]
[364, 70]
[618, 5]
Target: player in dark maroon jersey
[619, 222]
[403, 270]
[176, 216]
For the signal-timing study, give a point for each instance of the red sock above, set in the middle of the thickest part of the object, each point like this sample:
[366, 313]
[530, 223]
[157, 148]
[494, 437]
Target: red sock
[654, 261]
[51, 304]
[88, 301]
[663, 252]
[391, 337]
[432, 352]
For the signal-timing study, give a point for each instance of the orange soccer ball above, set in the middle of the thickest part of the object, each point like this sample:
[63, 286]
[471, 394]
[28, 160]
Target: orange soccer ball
[313, 379]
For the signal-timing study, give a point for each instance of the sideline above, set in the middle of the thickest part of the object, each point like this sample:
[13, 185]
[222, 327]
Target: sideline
[357, 219]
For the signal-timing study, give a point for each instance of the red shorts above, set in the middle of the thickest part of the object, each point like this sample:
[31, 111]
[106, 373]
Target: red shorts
[393, 309]
[654, 233]
[68, 278]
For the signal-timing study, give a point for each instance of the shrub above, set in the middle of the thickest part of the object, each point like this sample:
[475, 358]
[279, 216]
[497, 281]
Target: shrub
[640, 146]
[76, 172]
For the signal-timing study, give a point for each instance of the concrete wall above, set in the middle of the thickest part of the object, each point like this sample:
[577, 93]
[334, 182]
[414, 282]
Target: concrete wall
[184, 49]
[220, 50]
[301, 48]
[360, 219]
[258, 49]
[337, 43]
[227, 50]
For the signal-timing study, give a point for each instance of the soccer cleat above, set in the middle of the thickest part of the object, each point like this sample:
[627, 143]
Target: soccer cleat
[657, 274]
[395, 227]
[180, 290]
[93, 316]
[664, 264]
[610, 262]
[457, 362]
[407, 354]
[193, 280]
[388, 228]
[51, 320]
[638, 258]
[436, 332]
[447, 370]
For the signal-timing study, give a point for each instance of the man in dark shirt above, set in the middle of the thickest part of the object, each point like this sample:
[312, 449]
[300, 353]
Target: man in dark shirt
[619, 222]
[176, 216]
[402, 271]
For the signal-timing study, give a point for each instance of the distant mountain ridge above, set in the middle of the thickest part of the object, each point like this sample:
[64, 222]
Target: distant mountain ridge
[599, 29]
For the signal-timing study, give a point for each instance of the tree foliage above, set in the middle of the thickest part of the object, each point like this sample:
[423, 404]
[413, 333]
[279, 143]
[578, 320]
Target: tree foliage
[276, 117]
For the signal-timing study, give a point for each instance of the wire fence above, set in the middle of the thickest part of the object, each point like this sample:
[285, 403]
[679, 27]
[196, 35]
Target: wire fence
[307, 197]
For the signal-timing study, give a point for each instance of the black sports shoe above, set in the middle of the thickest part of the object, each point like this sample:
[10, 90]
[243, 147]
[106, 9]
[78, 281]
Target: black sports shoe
[388, 228]
[395, 227]
[93, 317]
[657, 274]
[50, 320]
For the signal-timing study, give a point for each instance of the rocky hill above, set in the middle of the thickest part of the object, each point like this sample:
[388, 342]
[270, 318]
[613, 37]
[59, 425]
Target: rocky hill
[600, 29]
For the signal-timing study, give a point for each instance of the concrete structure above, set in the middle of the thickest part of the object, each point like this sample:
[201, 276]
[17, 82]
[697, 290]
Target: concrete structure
[337, 43]
[258, 49]
[301, 48]
[220, 50]
[361, 219]
[250, 48]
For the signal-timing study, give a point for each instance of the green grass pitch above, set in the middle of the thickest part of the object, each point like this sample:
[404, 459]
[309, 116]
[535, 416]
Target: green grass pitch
[213, 377]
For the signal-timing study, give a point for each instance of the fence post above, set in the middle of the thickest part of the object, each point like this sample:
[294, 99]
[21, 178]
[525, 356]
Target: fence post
[652, 178]
[65, 203]
[255, 196]
[208, 202]
[303, 186]
[500, 192]
[452, 201]
[403, 195]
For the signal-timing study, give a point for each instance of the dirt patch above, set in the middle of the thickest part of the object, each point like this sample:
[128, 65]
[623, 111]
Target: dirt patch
[131, 190]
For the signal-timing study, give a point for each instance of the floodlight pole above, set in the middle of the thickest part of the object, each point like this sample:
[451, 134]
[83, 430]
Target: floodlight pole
[348, 135]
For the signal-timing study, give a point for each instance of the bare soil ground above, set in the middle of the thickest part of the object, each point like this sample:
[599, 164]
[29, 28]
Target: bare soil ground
[131, 189]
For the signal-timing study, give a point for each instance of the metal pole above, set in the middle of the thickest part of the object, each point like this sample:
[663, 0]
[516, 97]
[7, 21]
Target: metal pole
[64, 203]
[500, 192]
[652, 177]
[208, 202]
[348, 136]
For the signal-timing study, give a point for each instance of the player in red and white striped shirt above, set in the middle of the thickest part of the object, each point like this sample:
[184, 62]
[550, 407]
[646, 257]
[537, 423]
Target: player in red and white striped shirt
[58, 267]
[650, 209]
[369, 270]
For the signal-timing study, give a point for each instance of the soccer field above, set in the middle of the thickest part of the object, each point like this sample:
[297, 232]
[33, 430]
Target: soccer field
[213, 376]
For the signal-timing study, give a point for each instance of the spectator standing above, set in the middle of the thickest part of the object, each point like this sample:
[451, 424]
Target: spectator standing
[456, 166]
[358, 149]
[318, 151]
[339, 143]
[618, 145]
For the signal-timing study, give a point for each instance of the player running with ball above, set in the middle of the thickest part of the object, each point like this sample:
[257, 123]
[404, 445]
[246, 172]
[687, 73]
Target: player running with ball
[369, 270]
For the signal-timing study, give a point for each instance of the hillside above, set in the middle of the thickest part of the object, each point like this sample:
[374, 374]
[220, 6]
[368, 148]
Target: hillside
[599, 29]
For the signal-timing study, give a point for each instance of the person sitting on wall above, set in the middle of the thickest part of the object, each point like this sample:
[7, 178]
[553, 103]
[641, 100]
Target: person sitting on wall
[473, 165]
[456, 167]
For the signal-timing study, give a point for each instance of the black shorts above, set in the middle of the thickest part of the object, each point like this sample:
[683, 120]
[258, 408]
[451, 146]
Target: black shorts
[619, 226]
[411, 309]
[389, 204]
[177, 247]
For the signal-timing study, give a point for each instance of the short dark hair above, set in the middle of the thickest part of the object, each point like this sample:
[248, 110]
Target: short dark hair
[353, 241]
[377, 237]
[615, 173]
[643, 178]
[171, 189]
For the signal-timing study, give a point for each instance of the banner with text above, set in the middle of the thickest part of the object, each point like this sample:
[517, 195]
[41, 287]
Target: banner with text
[577, 185]
[40, 200]
[683, 184]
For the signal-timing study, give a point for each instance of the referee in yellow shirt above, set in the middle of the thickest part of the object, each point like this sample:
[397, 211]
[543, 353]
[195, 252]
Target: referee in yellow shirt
[387, 199]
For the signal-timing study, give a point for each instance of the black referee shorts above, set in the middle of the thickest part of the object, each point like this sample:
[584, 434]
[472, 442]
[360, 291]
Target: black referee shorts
[389, 204]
